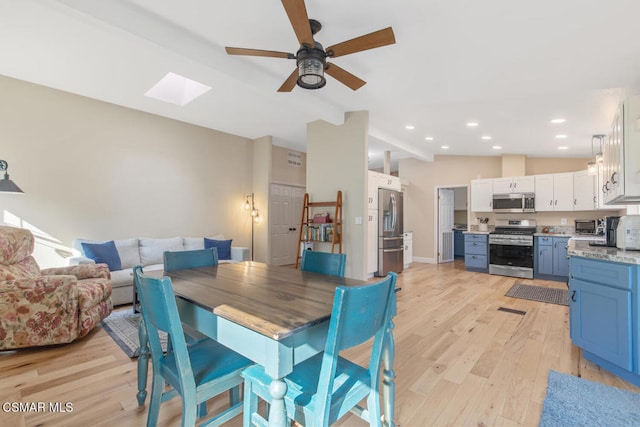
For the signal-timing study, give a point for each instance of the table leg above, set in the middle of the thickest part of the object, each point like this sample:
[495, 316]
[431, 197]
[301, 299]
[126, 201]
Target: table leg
[277, 412]
[388, 382]
[143, 363]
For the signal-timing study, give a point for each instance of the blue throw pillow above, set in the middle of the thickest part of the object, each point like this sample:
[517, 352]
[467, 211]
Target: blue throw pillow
[103, 253]
[223, 247]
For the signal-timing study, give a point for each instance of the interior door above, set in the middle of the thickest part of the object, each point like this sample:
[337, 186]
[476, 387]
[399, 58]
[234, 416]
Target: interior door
[445, 224]
[285, 210]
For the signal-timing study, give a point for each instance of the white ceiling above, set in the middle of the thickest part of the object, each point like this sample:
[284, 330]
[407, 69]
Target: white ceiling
[510, 65]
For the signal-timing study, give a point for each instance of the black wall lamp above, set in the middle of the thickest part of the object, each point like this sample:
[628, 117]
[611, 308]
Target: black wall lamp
[6, 185]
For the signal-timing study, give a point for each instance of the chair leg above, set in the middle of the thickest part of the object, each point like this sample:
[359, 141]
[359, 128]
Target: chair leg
[143, 363]
[234, 395]
[202, 409]
[156, 399]
[373, 407]
[189, 410]
[250, 404]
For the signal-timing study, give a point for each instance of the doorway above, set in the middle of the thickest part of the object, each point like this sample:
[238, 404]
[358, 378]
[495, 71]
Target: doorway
[285, 210]
[451, 213]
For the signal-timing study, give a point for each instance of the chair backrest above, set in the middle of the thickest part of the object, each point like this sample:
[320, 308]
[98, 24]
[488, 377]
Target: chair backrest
[179, 260]
[359, 313]
[16, 247]
[323, 262]
[160, 314]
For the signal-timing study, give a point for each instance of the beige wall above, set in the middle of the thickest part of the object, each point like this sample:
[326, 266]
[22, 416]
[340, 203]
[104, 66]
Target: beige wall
[337, 160]
[262, 170]
[97, 170]
[285, 173]
[424, 177]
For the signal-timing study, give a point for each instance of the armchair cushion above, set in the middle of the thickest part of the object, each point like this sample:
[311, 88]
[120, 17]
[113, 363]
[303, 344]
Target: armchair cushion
[223, 247]
[103, 253]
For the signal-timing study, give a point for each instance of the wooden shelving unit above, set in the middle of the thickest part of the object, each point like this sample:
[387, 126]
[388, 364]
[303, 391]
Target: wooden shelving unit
[330, 232]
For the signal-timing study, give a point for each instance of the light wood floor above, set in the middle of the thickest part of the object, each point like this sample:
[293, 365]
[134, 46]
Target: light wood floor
[459, 361]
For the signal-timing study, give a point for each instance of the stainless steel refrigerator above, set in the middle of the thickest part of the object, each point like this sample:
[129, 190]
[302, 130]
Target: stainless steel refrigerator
[390, 245]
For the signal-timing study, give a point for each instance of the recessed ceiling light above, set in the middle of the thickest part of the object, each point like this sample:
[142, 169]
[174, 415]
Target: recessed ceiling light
[486, 137]
[472, 124]
[410, 127]
[497, 147]
[563, 148]
[428, 138]
[177, 89]
[445, 147]
[561, 136]
[558, 120]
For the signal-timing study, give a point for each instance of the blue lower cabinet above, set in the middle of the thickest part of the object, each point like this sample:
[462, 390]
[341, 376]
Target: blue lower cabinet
[476, 251]
[458, 244]
[602, 317]
[550, 260]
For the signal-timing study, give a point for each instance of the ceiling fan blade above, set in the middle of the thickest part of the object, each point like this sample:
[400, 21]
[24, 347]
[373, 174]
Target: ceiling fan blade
[368, 41]
[344, 77]
[258, 52]
[290, 83]
[297, 13]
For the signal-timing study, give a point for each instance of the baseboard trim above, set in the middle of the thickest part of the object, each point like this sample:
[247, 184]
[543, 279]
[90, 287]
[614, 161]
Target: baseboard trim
[424, 260]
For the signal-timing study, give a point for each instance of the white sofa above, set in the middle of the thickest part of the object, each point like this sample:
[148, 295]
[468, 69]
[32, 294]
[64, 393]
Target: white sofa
[147, 252]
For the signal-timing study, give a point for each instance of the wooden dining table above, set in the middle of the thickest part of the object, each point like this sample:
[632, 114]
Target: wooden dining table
[275, 316]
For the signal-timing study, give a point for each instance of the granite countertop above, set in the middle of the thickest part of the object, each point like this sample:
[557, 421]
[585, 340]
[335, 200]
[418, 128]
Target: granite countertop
[475, 232]
[581, 248]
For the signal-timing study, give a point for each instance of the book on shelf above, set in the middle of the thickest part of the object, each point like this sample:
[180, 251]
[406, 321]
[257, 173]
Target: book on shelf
[318, 232]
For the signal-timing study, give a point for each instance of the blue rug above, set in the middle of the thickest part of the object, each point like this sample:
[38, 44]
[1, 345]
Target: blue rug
[573, 401]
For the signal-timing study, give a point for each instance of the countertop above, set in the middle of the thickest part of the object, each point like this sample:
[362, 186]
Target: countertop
[475, 232]
[581, 248]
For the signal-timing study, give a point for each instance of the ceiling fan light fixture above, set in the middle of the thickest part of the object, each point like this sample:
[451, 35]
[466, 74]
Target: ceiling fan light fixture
[311, 64]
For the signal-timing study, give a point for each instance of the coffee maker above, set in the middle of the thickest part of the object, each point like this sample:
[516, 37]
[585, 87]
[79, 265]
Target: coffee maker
[610, 229]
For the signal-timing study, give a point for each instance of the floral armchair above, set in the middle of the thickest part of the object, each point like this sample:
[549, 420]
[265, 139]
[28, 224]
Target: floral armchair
[50, 306]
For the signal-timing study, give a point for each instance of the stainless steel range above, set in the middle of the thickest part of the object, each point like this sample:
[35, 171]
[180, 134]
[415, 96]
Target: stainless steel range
[511, 248]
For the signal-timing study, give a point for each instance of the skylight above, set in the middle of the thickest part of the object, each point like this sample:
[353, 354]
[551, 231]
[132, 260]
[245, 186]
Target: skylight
[177, 89]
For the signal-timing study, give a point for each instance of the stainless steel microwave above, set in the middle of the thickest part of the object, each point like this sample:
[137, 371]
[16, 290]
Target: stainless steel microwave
[514, 203]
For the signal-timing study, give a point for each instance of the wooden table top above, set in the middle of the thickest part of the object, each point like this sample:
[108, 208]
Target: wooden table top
[274, 301]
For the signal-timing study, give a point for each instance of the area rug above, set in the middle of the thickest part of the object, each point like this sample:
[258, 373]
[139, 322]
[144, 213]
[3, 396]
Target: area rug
[539, 293]
[122, 326]
[573, 401]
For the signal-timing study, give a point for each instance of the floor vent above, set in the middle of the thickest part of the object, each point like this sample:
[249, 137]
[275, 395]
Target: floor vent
[511, 310]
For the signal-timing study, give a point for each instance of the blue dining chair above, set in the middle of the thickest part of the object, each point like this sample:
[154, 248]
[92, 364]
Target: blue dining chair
[323, 388]
[180, 260]
[198, 372]
[323, 262]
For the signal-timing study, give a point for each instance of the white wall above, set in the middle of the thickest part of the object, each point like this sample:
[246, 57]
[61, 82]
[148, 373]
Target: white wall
[101, 171]
[337, 160]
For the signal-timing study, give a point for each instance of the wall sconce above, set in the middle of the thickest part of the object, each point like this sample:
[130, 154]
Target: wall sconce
[6, 185]
[249, 205]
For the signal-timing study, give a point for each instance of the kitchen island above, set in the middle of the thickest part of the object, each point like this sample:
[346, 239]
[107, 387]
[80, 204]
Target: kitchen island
[604, 307]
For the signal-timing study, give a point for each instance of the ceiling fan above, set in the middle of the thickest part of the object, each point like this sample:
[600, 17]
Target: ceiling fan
[311, 56]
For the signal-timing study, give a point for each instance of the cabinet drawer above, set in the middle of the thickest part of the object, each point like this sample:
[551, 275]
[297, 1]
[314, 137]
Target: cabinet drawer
[475, 261]
[544, 241]
[475, 238]
[477, 248]
[602, 272]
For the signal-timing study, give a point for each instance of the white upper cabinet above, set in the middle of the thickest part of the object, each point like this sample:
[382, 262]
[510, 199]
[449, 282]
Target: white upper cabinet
[481, 195]
[554, 192]
[389, 182]
[372, 190]
[584, 195]
[621, 168]
[514, 184]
